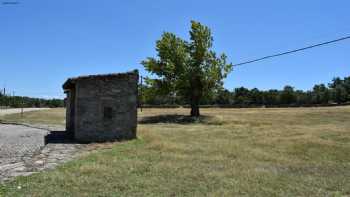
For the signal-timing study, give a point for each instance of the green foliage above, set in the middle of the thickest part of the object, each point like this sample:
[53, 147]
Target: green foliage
[18, 101]
[287, 95]
[340, 89]
[188, 69]
[242, 96]
[337, 92]
[320, 94]
[224, 97]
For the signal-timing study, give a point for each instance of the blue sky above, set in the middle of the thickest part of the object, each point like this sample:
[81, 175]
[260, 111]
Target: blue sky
[42, 43]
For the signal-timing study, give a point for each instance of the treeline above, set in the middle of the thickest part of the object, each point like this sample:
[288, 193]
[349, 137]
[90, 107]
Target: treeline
[17, 102]
[336, 92]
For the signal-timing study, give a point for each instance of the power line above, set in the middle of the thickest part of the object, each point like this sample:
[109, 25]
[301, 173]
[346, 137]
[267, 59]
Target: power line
[293, 51]
[10, 3]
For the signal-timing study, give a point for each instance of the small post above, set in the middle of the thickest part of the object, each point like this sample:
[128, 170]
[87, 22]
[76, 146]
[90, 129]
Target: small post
[22, 107]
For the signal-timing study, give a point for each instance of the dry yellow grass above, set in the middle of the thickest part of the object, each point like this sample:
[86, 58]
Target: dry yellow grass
[228, 152]
[54, 116]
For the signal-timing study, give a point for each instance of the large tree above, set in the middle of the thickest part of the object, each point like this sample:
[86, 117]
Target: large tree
[190, 69]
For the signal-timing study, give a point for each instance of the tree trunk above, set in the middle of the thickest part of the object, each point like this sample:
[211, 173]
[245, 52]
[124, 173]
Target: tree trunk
[196, 94]
[195, 107]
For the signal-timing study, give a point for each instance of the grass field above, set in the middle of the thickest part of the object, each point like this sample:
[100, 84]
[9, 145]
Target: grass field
[228, 152]
[51, 117]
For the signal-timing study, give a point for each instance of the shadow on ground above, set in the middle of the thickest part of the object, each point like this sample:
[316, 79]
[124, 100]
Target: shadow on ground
[176, 119]
[59, 137]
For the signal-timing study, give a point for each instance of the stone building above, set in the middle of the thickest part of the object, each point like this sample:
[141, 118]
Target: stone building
[102, 107]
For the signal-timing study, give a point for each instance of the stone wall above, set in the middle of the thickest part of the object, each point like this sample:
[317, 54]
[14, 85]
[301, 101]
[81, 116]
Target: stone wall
[70, 111]
[106, 108]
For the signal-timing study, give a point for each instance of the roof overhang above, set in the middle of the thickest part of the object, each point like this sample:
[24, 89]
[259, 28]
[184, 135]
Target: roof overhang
[70, 83]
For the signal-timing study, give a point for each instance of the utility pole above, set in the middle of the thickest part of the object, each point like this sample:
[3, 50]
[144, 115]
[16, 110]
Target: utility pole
[5, 101]
[141, 95]
[13, 99]
[2, 99]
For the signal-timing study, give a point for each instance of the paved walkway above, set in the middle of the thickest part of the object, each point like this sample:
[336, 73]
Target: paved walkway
[19, 141]
[23, 150]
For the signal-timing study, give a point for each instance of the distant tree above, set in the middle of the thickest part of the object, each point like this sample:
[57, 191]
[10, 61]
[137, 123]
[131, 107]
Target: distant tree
[224, 97]
[300, 97]
[146, 95]
[336, 82]
[287, 95]
[271, 97]
[338, 90]
[17, 101]
[149, 95]
[339, 94]
[53, 103]
[188, 69]
[256, 96]
[320, 94]
[242, 96]
[346, 82]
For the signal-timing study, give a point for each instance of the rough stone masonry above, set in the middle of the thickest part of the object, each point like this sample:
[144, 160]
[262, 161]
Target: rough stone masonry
[102, 107]
[23, 150]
